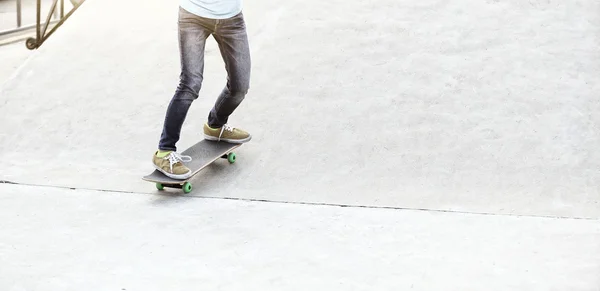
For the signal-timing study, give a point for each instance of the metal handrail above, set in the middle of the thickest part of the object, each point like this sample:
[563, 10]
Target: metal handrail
[41, 36]
[18, 13]
[20, 26]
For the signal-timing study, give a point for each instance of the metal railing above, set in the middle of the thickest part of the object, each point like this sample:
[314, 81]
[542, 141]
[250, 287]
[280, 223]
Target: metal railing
[56, 16]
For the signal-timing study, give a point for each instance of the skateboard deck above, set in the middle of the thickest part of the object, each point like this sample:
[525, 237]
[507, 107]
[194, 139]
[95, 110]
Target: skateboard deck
[203, 153]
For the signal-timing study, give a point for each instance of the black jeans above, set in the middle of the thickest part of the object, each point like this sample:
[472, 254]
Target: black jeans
[232, 39]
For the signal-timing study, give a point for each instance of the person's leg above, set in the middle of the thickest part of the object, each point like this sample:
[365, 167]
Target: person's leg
[193, 32]
[232, 39]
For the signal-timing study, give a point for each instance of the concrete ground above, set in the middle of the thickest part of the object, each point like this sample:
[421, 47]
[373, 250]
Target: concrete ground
[56, 239]
[12, 57]
[12, 54]
[425, 145]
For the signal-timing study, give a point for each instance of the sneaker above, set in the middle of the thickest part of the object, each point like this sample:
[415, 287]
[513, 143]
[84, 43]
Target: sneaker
[172, 165]
[226, 133]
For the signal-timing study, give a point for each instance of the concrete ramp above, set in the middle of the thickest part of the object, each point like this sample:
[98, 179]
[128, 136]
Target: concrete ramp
[476, 106]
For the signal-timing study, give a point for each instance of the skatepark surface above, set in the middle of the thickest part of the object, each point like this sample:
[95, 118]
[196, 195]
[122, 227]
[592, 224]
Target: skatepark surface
[397, 145]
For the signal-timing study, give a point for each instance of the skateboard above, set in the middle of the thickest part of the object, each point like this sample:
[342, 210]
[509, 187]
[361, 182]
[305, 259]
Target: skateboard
[203, 154]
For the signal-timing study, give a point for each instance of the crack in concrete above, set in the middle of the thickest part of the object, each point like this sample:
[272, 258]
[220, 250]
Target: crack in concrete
[8, 182]
[310, 203]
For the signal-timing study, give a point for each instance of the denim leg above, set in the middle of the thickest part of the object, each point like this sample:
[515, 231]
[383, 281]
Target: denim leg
[193, 32]
[232, 39]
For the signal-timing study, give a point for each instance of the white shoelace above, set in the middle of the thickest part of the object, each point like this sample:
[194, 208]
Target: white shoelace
[225, 127]
[174, 158]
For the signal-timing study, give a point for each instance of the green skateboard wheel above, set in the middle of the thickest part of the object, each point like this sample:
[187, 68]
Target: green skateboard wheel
[160, 186]
[231, 158]
[187, 187]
